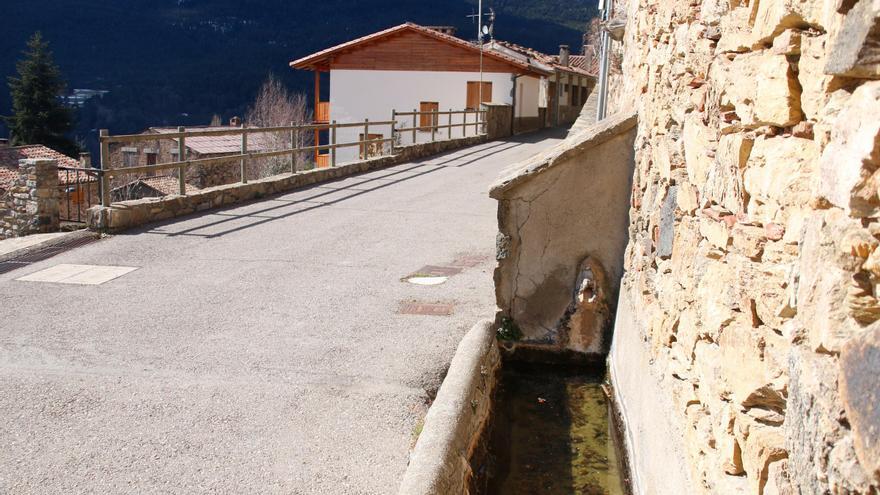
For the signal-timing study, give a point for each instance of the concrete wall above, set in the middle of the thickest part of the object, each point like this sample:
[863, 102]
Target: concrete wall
[555, 211]
[440, 464]
[31, 205]
[752, 344]
[356, 95]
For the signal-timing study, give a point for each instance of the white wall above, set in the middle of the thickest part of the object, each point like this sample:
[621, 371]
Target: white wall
[359, 94]
[528, 90]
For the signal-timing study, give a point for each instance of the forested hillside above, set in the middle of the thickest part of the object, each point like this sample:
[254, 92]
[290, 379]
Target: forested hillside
[181, 61]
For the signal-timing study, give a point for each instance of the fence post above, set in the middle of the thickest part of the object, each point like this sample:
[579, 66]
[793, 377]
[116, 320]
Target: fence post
[393, 127]
[293, 147]
[333, 143]
[366, 140]
[477, 121]
[244, 153]
[464, 123]
[105, 166]
[181, 157]
[449, 125]
[414, 126]
[433, 125]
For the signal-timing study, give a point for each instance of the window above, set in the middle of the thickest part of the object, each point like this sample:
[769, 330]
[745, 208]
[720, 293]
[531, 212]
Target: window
[426, 120]
[473, 94]
[129, 157]
[369, 150]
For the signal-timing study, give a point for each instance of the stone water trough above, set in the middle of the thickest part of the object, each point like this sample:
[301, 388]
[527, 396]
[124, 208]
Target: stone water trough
[563, 218]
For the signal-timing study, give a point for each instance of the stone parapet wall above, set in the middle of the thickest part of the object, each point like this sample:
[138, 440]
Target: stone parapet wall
[562, 220]
[753, 256]
[31, 204]
[127, 214]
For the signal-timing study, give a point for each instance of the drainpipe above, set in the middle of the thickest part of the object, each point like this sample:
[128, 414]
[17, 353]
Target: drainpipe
[513, 108]
[605, 62]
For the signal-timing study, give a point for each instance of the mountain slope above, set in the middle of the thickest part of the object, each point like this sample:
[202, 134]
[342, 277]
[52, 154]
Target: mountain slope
[180, 61]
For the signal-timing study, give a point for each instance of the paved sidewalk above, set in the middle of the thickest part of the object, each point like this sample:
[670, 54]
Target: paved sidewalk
[256, 349]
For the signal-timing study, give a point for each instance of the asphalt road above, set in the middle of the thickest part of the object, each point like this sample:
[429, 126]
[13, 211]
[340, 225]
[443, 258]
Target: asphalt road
[256, 349]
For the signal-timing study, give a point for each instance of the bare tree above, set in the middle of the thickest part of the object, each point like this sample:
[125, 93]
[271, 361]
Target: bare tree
[275, 106]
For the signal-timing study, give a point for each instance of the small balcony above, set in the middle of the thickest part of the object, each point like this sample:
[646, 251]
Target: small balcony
[322, 112]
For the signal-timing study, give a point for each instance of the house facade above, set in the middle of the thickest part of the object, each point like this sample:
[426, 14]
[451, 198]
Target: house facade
[411, 67]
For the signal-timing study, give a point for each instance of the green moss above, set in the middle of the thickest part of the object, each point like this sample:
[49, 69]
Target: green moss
[508, 330]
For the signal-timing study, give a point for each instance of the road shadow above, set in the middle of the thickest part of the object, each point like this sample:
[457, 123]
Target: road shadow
[315, 196]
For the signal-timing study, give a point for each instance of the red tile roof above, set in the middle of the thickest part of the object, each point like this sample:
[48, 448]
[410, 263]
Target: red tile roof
[166, 185]
[311, 62]
[9, 158]
[219, 145]
[575, 62]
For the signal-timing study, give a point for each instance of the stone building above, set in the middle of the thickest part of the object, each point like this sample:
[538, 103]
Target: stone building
[165, 150]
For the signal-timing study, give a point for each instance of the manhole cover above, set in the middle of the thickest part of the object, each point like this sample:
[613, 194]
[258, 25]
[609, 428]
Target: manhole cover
[424, 308]
[426, 280]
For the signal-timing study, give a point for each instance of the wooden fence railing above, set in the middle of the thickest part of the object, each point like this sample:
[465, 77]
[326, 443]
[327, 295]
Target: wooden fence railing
[296, 138]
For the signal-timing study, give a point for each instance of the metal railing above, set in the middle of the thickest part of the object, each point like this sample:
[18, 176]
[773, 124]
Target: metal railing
[79, 189]
[296, 134]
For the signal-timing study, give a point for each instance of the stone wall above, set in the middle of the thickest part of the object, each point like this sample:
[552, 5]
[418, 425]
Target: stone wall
[562, 218]
[30, 205]
[752, 267]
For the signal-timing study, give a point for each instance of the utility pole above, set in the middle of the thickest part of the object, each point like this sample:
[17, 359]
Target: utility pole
[480, 41]
[605, 7]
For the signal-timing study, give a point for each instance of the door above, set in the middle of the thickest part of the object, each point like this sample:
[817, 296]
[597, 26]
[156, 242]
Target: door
[473, 94]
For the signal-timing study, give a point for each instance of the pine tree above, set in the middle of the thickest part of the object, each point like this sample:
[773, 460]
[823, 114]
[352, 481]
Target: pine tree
[38, 115]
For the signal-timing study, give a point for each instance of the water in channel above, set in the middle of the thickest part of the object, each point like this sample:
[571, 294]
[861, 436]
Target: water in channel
[551, 436]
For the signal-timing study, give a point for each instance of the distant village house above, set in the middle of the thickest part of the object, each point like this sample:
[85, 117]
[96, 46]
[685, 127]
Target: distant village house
[411, 67]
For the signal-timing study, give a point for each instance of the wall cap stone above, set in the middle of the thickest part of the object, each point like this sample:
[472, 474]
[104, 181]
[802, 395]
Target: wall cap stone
[590, 137]
[439, 463]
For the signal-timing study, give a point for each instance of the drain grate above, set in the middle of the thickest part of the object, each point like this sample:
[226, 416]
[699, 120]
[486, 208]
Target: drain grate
[425, 308]
[45, 253]
[469, 260]
[436, 271]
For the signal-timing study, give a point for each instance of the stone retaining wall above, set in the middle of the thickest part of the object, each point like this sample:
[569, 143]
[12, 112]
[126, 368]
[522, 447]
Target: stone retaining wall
[127, 214]
[753, 265]
[31, 204]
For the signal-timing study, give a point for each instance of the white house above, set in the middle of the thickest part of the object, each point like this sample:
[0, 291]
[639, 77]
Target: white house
[411, 67]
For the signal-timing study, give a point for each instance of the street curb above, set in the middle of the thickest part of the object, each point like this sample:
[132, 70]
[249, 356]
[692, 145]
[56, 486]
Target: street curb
[62, 239]
[440, 462]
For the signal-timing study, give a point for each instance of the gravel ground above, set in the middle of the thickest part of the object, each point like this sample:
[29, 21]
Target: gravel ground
[256, 349]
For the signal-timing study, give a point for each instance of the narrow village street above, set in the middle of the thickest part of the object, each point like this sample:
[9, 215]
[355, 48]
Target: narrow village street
[263, 348]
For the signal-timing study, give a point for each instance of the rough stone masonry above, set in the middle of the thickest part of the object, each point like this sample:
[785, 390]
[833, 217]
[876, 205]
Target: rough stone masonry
[752, 267]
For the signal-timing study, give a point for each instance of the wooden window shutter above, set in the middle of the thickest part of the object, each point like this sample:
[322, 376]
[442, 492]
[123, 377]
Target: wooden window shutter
[426, 120]
[473, 94]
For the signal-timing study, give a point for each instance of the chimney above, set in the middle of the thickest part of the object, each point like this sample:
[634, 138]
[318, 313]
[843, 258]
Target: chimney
[235, 121]
[85, 159]
[563, 55]
[588, 56]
